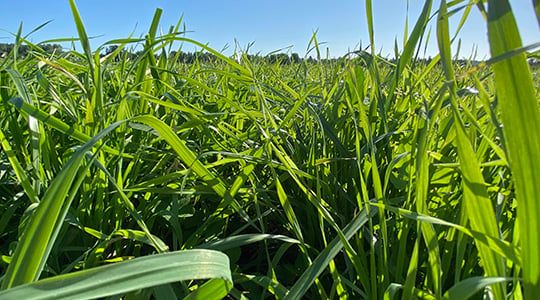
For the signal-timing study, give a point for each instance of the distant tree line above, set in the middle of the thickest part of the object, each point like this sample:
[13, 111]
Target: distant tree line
[24, 50]
[182, 57]
[207, 57]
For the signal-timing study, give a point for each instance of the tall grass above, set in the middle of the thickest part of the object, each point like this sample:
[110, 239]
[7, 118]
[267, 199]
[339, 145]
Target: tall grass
[140, 177]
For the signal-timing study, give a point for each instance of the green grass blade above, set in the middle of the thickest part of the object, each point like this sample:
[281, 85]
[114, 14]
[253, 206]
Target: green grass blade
[412, 271]
[185, 154]
[155, 23]
[369, 14]
[191, 160]
[421, 198]
[475, 193]
[40, 233]
[412, 41]
[502, 247]
[56, 123]
[288, 209]
[521, 119]
[83, 37]
[18, 169]
[132, 275]
[245, 239]
[323, 259]
[33, 126]
[410, 46]
[470, 286]
[213, 289]
[156, 242]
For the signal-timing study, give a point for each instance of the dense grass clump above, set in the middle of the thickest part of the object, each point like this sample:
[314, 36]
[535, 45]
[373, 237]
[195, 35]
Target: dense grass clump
[139, 176]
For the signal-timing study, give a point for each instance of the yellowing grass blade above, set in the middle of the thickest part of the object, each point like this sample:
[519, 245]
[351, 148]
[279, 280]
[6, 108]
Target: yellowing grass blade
[521, 120]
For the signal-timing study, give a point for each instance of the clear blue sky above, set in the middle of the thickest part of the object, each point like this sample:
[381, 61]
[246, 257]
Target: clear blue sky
[271, 25]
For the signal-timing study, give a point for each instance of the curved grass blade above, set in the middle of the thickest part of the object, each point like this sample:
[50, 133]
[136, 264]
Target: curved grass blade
[245, 239]
[190, 159]
[410, 46]
[132, 275]
[156, 242]
[470, 286]
[412, 41]
[40, 234]
[421, 194]
[57, 123]
[521, 118]
[497, 245]
[185, 154]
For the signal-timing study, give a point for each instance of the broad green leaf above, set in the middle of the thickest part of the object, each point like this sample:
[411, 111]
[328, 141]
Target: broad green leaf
[475, 193]
[521, 120]
[135, 274]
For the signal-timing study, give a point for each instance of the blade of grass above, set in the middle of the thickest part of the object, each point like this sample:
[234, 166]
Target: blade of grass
[33, 126]
[408, 51]
[57, 123]
[135, 274]
[521, 119]
[467, 288]
[475, 193]
[40, 233]
[244, 239]
[499, 246]
[18, 169]
[83, 37]
[421, 199]
[323, 259]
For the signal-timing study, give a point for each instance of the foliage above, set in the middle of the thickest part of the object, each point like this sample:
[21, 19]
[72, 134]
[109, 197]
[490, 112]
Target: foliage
[360, 177]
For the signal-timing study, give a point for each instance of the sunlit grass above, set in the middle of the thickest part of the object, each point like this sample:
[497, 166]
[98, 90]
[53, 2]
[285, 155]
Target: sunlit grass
[360, 178]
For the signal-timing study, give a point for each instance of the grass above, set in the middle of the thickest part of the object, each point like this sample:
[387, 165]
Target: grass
[139, 177]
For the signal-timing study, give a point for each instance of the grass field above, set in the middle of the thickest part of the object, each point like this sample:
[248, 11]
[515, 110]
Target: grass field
[138, 177]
